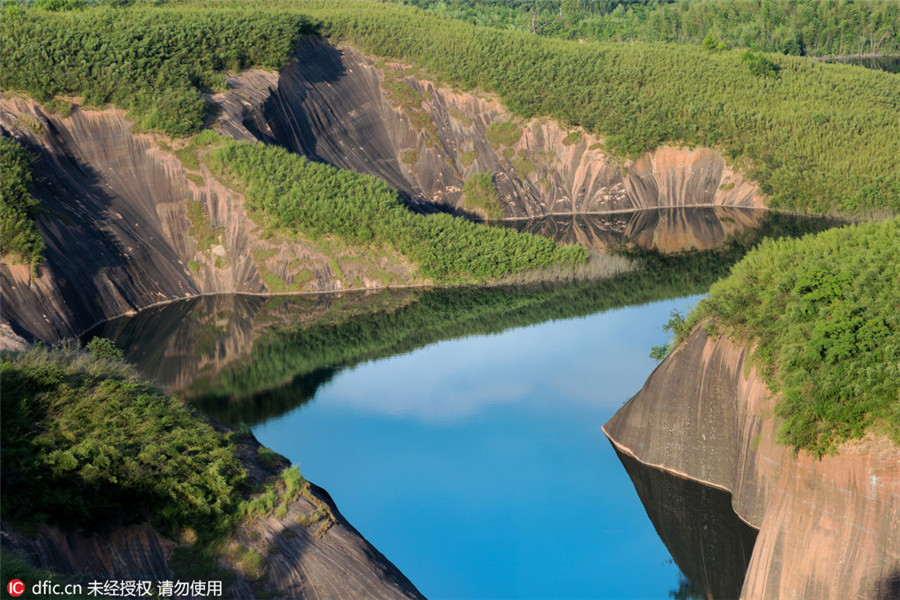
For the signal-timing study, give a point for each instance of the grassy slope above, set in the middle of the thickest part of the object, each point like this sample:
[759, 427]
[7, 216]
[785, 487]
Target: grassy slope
[316, 200]
[824, 312]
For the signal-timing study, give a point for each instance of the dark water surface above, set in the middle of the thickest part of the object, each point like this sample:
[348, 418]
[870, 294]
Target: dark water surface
[459, 430]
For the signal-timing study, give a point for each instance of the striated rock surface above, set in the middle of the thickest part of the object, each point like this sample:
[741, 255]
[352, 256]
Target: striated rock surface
[119, 236]
[311, 551]
[337, 106]
[128, 223]
[828, 528]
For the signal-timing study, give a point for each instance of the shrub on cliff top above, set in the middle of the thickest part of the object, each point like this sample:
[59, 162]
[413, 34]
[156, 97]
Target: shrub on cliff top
[824, 314]
[156, 61]
[86, 443]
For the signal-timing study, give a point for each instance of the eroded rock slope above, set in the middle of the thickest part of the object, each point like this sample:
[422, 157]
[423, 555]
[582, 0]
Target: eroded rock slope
[337, 106]
[128, 222]
[127, 225]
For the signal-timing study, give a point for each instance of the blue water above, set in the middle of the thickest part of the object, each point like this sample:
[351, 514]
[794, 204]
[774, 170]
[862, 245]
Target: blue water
[479, 468]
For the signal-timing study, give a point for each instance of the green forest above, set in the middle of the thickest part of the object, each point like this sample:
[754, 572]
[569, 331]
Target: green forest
[811, 28]
[90, 445]
[85, 440]
[817, 137]
[823, 312]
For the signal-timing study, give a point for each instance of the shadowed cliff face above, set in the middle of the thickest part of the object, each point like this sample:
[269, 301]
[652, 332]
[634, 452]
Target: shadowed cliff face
[827, 529]
[338, 106]
[709, 543]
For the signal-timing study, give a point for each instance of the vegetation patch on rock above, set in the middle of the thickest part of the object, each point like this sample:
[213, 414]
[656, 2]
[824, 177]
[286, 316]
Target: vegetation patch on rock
[20, 238]
[318, 200]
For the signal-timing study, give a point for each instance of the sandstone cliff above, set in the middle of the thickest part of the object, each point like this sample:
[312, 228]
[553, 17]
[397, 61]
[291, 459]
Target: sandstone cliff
[827, 529]
[127, 225]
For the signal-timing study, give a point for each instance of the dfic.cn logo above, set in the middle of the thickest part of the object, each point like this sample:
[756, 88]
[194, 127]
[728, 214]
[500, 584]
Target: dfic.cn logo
[15, 587]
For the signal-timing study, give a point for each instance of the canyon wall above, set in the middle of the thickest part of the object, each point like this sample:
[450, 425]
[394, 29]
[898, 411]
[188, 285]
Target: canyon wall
[828, 528]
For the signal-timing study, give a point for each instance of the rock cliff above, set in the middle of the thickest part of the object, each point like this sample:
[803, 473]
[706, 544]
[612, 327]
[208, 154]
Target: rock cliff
[127, 225]
[335, 105]
[828, 528]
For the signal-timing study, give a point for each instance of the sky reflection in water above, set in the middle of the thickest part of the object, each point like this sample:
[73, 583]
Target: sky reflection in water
[478, 465]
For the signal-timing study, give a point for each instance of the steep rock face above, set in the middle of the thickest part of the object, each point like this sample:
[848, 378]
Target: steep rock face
[338, 106]
[827, 529]
[119, 235]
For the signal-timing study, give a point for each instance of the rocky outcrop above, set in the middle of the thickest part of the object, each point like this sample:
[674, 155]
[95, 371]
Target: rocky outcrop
[828, 528]
[335, 105]
[127, 225]
[310, 551]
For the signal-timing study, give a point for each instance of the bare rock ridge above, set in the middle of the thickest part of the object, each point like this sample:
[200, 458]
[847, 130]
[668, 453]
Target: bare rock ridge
[828, 529]
[337, 106]
[304, 559]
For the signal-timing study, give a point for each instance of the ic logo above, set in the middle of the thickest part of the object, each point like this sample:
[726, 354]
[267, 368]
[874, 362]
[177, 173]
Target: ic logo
[15, 588]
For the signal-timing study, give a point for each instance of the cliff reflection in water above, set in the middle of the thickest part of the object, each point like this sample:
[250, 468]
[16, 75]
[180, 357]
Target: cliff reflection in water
[708, 541]
[662, 230]
[249, 358]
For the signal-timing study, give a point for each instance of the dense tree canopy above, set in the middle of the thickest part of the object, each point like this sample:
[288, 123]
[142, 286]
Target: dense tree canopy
[809, 27]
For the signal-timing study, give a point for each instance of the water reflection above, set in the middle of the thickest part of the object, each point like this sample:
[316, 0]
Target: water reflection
[661, 230]
[491, 446]
[708, 541]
